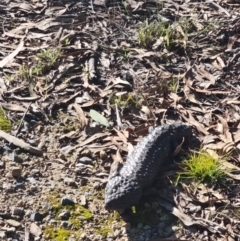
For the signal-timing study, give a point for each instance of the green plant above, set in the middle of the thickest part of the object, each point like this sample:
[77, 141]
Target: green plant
[126, 100]
[9, 77]
[125, 55]
[48, 57]
[174, 85]
[149, 32]
[125, 7]
[201, 167]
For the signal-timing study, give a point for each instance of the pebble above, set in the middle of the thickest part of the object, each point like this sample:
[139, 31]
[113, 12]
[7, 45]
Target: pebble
[2, 235]
[66, 201]
[15, 158]
[17, 211]
[20, 185]
[64, 215]
[35, 230]
[66, 224]
[1, 164]
[36, 217]
[13, 223]
[16, 172]
[147, 227]
[31, 180]
[140, 225]
[8, 187]
[86, 160]
[35, 172]
[69, 181]
[66, 148]
[53, 221]
[116, 233]
[148, 235]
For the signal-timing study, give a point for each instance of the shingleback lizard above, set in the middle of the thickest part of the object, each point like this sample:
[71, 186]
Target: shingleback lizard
[125, 186]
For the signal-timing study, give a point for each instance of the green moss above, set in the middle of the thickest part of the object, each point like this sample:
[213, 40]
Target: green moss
[58, 234]
[5, 124]
[106, 223]
[104, 231]
[78, 212]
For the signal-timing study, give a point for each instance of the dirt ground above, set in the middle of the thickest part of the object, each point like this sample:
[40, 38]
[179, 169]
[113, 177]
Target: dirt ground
[81, 82]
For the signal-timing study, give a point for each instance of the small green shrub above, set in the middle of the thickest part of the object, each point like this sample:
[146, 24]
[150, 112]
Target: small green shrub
[126, 100]
[149, 32]
[5, 124]
[201, 167]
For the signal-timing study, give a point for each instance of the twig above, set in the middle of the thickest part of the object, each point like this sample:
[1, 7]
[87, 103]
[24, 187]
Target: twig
[18, 129]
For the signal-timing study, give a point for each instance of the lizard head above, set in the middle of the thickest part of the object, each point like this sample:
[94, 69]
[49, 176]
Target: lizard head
[120, 193]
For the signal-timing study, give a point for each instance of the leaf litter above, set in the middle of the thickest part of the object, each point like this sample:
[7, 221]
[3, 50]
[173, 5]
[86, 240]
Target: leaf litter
[98, 97]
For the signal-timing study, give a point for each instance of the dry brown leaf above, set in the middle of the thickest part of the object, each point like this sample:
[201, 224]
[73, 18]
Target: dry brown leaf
[207, 75]
[17, 142]
[117, 162]
[227, 137]
[13, 107]
[121, 136]
[10, 57]
[81, 116]
[195, 123]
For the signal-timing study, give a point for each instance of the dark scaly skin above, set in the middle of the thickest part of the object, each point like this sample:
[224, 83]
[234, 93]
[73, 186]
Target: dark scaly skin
[125, 186]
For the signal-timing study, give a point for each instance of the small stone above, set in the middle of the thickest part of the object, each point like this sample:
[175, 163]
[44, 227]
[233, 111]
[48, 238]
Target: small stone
[147, 227]
[1, 164]
[140, 225]
[64, 215]
[33, 189]
[17, 211]
[53, 222]
[86, 160]
[8, 187]
[35, 230]
[69, 181]
[83, 235]
[8, 229]
[66, 148]
[2, 235]
[13, 223]
[31, 180]
[15, 158]
[116, 233]
[83, 201]
[36, 217]
[20, 185]
[123, 230]
[148, 235]
[67, 201]
[16, 172]
[66, 224]
[35, 172]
